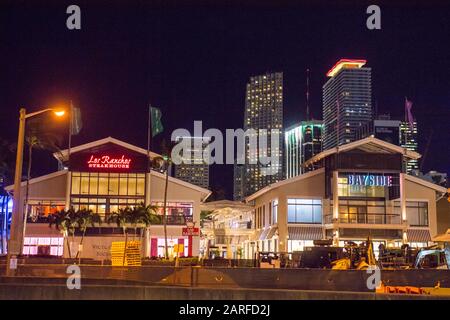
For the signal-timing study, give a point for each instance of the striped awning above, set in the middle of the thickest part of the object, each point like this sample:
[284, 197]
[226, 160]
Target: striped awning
[305, 232]
[418, 235]
[271, 233]
[263, 234]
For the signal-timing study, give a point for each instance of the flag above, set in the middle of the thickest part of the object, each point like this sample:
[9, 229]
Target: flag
[409, 116]
[156, 124]
[75, 121]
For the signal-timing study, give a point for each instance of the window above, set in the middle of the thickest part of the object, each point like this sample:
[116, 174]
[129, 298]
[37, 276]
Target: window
[366, 212]
[178, 213]
[125, 184]
[52, 246]
[275, 211]
[38, 211]
[416, 213]
[304, 211]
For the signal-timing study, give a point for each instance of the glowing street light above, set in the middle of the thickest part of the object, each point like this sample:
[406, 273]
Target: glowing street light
[17, 219]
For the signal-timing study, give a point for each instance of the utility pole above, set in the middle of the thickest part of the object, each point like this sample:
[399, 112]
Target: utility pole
[17, 213]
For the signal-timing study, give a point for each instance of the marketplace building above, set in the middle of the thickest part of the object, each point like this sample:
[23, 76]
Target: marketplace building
[104, 176]
[352, 192]
[349, 193]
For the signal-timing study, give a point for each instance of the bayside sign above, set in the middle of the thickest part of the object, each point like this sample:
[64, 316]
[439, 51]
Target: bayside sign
[108, 162]
[369, 180]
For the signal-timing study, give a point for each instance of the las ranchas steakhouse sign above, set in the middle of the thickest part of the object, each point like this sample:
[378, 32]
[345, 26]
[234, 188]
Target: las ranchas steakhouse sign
[108, 162]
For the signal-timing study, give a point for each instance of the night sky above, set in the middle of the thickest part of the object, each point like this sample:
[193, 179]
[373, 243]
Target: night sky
[193, 59]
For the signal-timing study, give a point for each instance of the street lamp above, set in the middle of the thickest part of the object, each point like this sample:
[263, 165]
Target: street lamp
[17, 219]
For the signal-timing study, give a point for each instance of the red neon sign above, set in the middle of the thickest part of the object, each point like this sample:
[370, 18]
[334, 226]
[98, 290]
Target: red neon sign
[107, 162]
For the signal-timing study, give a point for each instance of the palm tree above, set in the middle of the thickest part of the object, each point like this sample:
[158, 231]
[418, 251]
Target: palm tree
[145, 215]
[84, 219]
[122, 218]
[65, 222]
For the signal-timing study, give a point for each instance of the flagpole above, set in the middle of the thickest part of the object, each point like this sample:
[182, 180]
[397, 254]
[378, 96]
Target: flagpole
[149, 134]
[70, 130]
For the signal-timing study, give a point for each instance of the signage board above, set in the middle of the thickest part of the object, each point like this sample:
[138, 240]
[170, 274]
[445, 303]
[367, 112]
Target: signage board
[108, 158]
[369, 180]
[191, 231]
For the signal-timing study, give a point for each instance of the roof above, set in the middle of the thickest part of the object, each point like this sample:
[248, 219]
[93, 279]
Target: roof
[206, 192]
[226, 204]
[283, 182]
[345, 63]
[443, 237]
[225, 209]
[38, 179]
[426, 183]
[369, 144]
[63, 154]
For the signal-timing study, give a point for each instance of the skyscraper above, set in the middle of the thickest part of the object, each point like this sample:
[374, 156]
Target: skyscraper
[347, 102]
[408, 140]
[301, 142]
[193, 168]
[263, 111]
[238, 178]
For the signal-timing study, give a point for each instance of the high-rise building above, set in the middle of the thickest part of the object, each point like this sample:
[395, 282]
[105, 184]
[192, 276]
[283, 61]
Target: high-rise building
[193, 168]
[301, 143]
[238, 178]
[347, 102]
[263, 111]
[386, 129]
[408, 140]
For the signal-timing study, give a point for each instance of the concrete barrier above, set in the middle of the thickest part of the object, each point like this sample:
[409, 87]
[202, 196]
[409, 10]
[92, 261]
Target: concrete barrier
[295, 279]
[21, 291]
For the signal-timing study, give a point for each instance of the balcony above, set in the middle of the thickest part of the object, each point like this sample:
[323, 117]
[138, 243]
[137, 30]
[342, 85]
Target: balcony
[173, 219]
[369, 218]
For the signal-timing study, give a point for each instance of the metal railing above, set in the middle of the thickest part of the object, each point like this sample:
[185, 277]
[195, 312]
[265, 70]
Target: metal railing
[368, 218]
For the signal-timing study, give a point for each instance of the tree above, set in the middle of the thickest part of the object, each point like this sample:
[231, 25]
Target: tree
[85, 218]
[145, 215]
[122, 218]
[65, 222]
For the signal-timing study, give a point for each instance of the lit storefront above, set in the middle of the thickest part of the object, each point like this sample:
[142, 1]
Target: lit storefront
[105, 176]
[357, 191]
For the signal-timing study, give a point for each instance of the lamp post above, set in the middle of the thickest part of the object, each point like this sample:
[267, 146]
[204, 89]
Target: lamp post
[17, 219]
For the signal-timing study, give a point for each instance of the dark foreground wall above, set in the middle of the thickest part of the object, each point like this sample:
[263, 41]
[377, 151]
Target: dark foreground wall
[21, 291]
[254, 278]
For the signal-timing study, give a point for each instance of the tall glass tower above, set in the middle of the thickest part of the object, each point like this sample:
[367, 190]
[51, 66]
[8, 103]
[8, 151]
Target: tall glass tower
[347, 102]
[408, 140]
[301, 143]
[263, 110]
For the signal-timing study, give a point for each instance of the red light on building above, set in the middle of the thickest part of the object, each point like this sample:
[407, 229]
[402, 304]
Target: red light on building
[108, 162]
[346, 63]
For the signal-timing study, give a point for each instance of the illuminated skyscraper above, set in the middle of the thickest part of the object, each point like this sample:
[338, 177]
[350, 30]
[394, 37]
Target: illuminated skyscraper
[301, 142]
[194, 169]
[263, 110]
[408, 140]
[238, 187]
[347, 102]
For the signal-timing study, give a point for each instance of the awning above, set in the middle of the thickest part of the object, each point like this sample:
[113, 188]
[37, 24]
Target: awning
[305, 232]
[263, 234]
[271, 233]
[418, 235]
